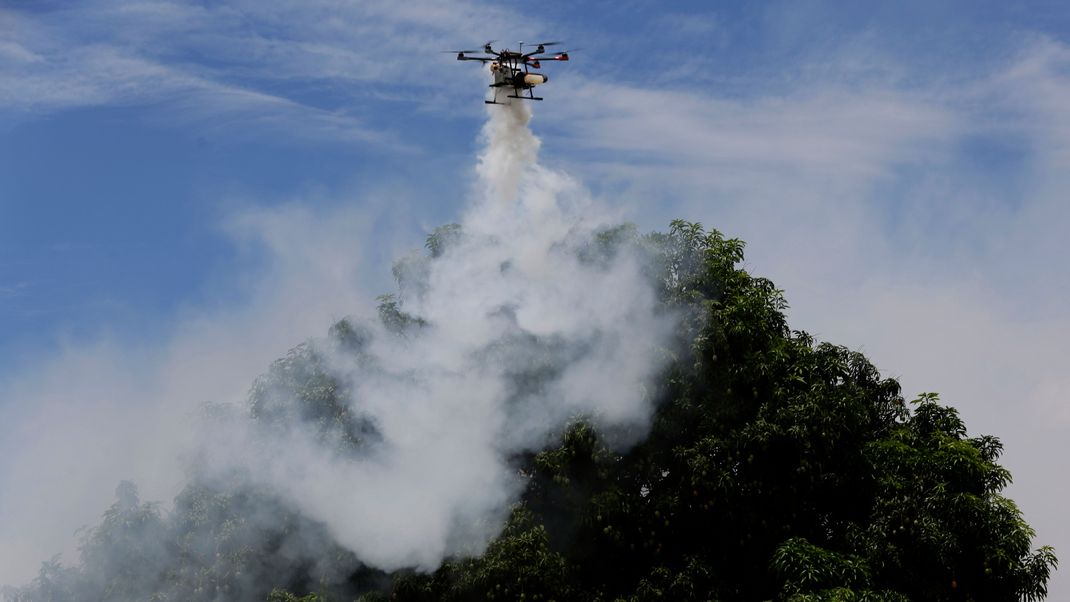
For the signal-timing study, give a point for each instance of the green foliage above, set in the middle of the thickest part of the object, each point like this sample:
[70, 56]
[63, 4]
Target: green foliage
[776, 468]
[301, 388]
[938, 522]
[394, 319]
[519, 565]
[131, 537]
[442, 238]
[803, 566]
[281, 595]
[54, 583]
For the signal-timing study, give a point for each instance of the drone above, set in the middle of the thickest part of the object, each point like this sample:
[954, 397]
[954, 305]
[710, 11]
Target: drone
[512, 70]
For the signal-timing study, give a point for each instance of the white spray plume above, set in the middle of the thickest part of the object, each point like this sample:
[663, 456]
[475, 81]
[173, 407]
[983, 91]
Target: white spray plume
[511, 150]
[510, 294]
[519, 335]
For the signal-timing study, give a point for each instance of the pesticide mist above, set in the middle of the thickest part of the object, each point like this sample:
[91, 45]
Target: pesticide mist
[491, 345]
[391, 443]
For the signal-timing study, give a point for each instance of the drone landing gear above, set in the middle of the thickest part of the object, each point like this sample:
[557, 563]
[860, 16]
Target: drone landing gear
[495, 102]
[516, 93]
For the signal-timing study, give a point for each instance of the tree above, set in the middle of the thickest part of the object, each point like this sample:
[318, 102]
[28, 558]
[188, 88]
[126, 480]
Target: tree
[776, 468]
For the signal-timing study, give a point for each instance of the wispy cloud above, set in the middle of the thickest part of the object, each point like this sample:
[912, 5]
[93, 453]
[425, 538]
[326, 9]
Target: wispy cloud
[821, 131]
[1034, 92]
[9, 291]
[237, 63]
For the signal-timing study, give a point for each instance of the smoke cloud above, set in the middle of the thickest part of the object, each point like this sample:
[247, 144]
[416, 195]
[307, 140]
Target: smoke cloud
[499, 337]
[516, 335]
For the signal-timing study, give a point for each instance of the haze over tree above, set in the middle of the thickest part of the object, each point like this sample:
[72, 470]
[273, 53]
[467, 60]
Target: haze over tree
[775, 467]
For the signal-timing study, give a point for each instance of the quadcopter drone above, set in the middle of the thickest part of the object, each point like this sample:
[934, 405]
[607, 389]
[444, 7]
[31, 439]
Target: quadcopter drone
[512, 70]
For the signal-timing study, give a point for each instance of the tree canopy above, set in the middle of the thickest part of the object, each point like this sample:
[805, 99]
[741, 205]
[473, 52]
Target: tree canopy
[776, 468]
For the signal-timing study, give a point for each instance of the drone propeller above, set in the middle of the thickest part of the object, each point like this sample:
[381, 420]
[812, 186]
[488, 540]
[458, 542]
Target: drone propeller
[541, 47]
[553, 56]
[460, 51]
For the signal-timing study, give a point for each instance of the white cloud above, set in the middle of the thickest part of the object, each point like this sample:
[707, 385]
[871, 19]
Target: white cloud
[14, 52]
[817, 132]
[242, 64]
[1034, 93]
[97, 75]
[17, 289]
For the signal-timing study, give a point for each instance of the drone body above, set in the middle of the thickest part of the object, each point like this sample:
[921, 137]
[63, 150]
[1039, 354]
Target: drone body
[512, 69]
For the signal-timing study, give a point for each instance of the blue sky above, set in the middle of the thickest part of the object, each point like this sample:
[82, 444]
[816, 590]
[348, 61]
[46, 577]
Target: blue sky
[167, 168]
[129, 126]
